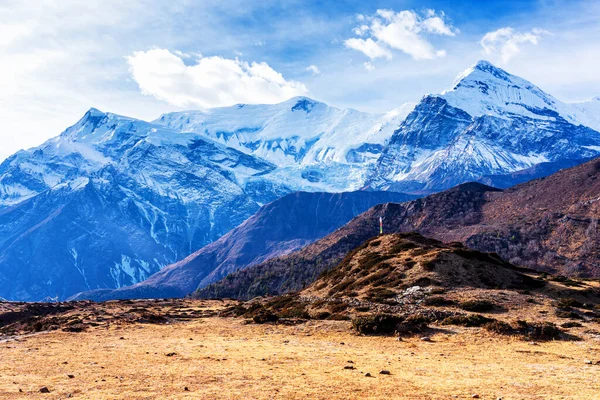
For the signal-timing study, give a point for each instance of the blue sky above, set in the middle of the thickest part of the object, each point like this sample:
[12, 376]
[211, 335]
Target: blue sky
[142, 58]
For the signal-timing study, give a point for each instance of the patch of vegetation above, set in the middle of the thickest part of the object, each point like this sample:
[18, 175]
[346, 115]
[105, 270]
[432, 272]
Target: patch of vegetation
[372, 260]
[429, 265]
[531, 282]
[571, 324]
[339, 317]
[539, 330]
[475, 255]
[403, 246]
[568, 314]
[477, 305]
[499, 327]
[387, 324]
[471, 320]
[322, 315]
[565, 281]
[438, 290]
[265, 316]
[335, 308]
[379, 295]
[378, 324]
[567, 302]
[288, 307]
[438, 301]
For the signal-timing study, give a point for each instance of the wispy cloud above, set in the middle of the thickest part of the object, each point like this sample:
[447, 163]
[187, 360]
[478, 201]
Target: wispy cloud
[406, 31]
[314, 69]
[507, 42]
[210, 82]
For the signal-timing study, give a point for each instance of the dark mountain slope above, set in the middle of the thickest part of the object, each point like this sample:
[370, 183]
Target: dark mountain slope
[278, 228]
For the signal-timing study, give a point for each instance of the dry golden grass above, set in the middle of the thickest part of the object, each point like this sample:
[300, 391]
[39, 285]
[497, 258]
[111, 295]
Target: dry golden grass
[225, 358]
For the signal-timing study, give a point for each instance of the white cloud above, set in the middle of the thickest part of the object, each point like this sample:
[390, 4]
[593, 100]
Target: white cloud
[405, 31]
[210, 82]
[507, 43]
[314, 69]
[369, 66]
[369, 47]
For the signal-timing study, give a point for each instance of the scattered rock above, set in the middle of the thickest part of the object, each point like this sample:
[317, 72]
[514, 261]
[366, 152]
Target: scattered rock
[70, 376]
[368, 375]
[171, 354]
[350, 362]
[475, 396]
[121, 338]
[426, 339]
[384, 372]
[349, 367]
[186, 388]
[44, 390]
[589, 362]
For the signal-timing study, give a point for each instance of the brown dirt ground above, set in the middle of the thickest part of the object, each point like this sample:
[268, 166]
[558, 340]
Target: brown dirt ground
[226, 358]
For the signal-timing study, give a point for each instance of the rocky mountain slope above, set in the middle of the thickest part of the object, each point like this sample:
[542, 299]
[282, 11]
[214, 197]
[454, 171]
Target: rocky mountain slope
[549, 224]
[278, 228]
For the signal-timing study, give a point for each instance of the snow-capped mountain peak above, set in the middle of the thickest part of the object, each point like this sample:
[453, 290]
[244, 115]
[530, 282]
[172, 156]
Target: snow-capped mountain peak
[485, 89]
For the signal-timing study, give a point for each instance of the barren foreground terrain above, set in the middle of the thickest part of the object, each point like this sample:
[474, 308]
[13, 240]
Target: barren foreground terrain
[211, 357]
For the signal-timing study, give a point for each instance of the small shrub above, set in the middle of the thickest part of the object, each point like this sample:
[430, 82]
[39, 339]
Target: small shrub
[387, 324]
[567, 302]
[438, 301]
[438, 290]
[264, 316]
[499, 327]
[337, 307]
[412, 324]
[467, 320]
[379, 295]
[568, 314]
[571, 324]
[477, 305]
[429, 265]
[542, 331]
[378, 324]
[322, 315]
[339, 317]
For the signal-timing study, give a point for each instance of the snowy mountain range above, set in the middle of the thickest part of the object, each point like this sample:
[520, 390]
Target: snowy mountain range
[113, 199]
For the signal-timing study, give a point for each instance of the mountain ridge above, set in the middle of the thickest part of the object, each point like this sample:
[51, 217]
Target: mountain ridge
[548, 224]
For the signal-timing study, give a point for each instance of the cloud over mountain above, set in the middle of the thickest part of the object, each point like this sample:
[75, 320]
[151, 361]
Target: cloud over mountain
[209, 81]
[507, 42]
